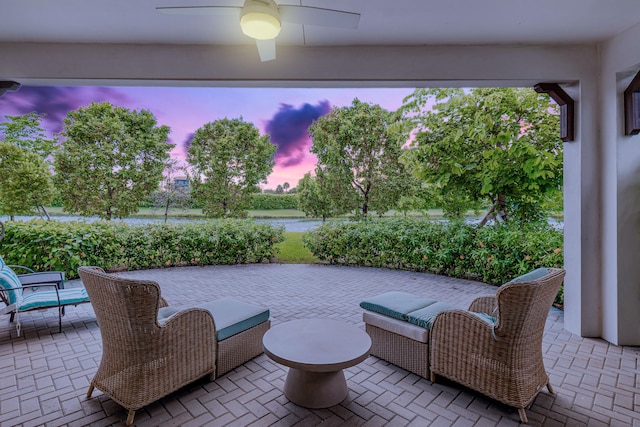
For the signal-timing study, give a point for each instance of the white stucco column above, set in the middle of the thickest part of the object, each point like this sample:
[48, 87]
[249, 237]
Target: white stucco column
[582, 208]
[620, 61]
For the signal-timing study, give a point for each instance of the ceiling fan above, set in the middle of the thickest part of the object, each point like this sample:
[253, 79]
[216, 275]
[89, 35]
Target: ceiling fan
[262, 19]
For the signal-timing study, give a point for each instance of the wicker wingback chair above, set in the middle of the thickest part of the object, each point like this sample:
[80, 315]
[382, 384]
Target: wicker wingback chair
[143, 360]
[500, 354]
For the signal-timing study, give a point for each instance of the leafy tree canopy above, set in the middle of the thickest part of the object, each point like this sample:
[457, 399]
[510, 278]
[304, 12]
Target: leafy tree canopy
[25, 180]
[358, 149]
[312, 200]
[25, 132]
[229, 158]
[110, 160]
[495, 145]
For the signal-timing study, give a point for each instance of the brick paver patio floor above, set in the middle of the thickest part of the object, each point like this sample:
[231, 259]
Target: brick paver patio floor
[44, 375]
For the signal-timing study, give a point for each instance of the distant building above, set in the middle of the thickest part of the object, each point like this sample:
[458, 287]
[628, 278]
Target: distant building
[181, 182]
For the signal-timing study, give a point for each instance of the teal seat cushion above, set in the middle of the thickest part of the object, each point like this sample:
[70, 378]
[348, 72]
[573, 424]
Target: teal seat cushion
[48, 299]
[531, 276]
[424, 317]
[232, 316]
[9, 279]
[165, 312]
[396, 304]
[491, 320]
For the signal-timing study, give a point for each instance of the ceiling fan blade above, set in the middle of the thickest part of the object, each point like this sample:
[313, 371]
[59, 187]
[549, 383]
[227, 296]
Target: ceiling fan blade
[306, 15]
[266, 49]
[200, 10]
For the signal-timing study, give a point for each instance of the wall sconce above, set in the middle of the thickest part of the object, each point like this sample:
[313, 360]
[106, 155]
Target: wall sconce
[566, 103]
[7, 85]
[632, 107]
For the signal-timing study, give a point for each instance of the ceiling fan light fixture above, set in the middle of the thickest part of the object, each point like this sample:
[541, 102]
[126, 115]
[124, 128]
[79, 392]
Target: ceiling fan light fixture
[260, 21]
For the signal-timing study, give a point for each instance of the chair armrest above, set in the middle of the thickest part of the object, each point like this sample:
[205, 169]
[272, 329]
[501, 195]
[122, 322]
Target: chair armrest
[22, 267]
[485, 304]
[190, 337]
[35, 285]
[163, 302]
[45, 277]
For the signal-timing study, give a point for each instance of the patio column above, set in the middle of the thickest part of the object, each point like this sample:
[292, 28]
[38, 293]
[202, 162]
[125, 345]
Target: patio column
[620, 62]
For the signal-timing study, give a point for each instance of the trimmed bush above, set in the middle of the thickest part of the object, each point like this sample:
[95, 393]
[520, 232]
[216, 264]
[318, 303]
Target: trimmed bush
[493, 254]
[65, 246]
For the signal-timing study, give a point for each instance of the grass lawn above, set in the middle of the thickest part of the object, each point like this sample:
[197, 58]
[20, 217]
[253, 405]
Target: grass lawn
[291, 251]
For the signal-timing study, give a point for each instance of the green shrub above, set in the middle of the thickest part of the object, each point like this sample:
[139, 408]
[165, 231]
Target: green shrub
[493, 254]
[273, 201]
[65, 246]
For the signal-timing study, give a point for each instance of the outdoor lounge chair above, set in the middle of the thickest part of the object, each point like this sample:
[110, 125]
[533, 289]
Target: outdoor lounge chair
[150, 349]
[495, 348]
[35, 291]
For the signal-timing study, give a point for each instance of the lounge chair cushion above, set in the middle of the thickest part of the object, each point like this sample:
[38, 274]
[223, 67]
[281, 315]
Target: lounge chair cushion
[48, 299]
[232, 316]
[530, 276]
[424, 317]
[396, 304]
[9, 279]
[399, 327]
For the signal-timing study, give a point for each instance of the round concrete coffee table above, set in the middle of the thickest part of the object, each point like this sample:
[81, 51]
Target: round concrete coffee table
[316, 351]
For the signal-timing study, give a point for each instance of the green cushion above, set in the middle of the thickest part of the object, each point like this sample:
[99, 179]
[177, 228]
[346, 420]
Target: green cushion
[396, 304]
[232, 316]
[424, 317]
[48, 299]
[9, 279]
[531, 276]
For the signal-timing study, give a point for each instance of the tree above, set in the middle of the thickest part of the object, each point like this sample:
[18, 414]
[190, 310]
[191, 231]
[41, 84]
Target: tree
[229, 158]
[172, 194]
[285, 187]
[279, 189]
[358, 149]
[25, 132]
[25, 180]
[312, 200]
[499, 146]
[111, 159]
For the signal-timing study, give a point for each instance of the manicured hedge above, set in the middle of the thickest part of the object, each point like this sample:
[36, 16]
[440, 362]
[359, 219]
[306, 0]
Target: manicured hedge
[65, 246]
[492, 254]
[273, 201]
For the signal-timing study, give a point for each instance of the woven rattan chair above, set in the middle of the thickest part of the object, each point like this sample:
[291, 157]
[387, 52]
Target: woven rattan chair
[143, 359]
[499, 358]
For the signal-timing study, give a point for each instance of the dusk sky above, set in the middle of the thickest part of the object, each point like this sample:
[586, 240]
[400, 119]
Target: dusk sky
[284, 114]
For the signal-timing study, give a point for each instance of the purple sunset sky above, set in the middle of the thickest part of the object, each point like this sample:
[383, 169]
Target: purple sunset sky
[284, 114]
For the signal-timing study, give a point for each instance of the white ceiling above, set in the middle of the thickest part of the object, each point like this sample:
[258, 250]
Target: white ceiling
[383, 22]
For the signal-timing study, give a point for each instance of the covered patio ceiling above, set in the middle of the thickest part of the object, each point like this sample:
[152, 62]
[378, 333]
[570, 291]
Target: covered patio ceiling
[382, 22]
[63, 32]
